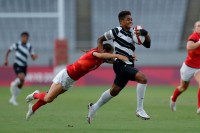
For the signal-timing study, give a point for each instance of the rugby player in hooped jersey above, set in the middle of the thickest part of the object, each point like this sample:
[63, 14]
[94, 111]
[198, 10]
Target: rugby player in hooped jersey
[90, 61]
[190, 68]
[124, 70]
[22, 50]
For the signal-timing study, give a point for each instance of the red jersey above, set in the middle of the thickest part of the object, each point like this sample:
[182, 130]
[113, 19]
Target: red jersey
[84, 64]
[193, 57]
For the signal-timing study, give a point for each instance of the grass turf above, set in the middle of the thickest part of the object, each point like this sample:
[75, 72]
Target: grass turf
[68, 113]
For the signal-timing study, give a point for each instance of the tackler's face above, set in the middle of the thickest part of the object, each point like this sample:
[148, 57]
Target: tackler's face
[197, 27]
[127, 22]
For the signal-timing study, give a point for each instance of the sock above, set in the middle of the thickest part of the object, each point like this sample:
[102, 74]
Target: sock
[141, 88]
[105, 97]
[38, 104]
[176, 94]
[40, 95]
[16, 92]
[199, 98]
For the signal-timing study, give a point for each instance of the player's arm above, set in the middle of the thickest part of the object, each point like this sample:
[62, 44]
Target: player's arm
[32, 53]
[34, 56]
[109, 56]
[107, 36]
[191, 45]
[147, 42]
[11, 48]
[6, 57]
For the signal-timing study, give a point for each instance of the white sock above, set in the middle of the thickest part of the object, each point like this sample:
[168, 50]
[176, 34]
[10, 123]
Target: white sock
[105, 97]
[16, 93]
[16, 90]
[141, 88]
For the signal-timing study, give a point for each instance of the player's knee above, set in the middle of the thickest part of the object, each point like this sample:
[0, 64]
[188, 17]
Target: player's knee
[182, 88]
[20, 85]
[114, 93]
[48, 99]
[143, 80]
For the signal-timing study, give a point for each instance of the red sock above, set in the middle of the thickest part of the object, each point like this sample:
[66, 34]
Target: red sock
[38, 104]
[199, 98]
[40, 95]
[176, 94]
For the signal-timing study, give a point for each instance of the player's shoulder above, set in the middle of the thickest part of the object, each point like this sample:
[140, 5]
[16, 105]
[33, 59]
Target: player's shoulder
[94, 50]
[116, 30]
[193, 37]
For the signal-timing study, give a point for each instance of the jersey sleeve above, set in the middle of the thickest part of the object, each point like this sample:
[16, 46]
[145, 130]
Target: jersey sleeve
[111, 34]
[31, 50]
[13, 47]
[193, 38]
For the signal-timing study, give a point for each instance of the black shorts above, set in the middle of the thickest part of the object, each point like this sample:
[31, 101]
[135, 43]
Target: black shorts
[123, 73]
[19, 69]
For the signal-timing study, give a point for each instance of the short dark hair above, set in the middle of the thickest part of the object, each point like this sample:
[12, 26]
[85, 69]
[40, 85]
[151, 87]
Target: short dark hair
[25, 34]
[123, 14]
[108, 47]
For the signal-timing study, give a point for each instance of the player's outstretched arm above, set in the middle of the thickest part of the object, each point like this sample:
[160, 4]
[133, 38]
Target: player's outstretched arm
[6, 57]
[100, 41]
[108, 56]
[191, 45]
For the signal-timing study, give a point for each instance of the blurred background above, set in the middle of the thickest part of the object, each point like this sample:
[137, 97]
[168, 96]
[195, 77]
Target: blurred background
[60, 29]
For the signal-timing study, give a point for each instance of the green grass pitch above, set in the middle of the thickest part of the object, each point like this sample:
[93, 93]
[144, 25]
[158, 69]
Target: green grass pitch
[67, 114]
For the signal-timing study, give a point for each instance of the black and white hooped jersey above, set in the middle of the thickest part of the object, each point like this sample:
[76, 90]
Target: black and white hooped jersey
[22, 51]
[122, 41]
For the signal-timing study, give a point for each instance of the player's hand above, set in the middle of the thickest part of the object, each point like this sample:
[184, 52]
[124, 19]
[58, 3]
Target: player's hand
[141, 32]
[134, 57]
[34, 56]
[121, 57]
[6, 62]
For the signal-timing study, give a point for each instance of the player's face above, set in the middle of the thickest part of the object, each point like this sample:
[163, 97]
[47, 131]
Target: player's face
[197, 27]
[24, 39]
[127, 22]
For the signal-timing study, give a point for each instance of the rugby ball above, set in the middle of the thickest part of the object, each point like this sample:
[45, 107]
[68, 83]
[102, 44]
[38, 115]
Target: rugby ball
[136, 38]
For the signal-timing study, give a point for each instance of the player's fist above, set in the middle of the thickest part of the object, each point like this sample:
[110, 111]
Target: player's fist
[143, 32]
[34, 56]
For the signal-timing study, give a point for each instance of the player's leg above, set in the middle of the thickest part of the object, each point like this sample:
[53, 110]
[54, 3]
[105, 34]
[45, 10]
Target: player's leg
[54, 91]
[61, 83]
[177, 92]
[140, 90]
[44, 98]
[186, 74]
[197, 78]
[118, 85]
[17, 84]
[133, 74]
